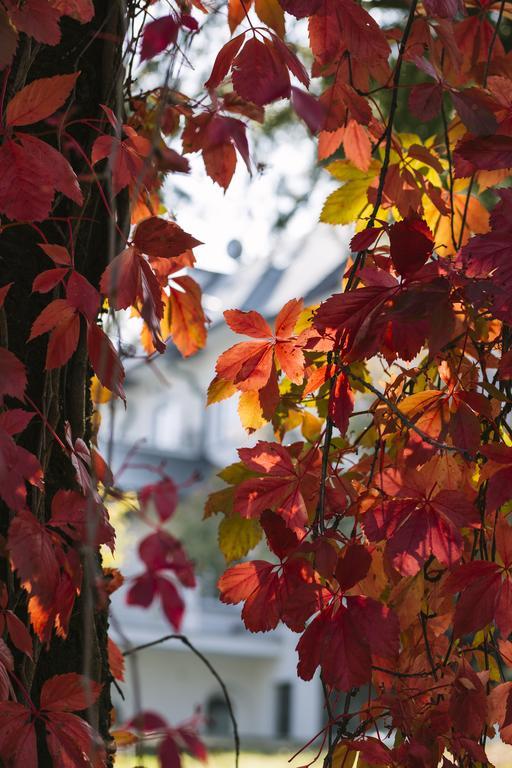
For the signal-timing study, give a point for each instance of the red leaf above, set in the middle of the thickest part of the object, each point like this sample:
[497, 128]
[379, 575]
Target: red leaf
[17, 467]
[411, 243]
[69, 693]
[8, 41]
[81, 519]
[17, 734]
[82, 295]
[40, 99]
[33, 556]
[15, 420]
[476, 110]
[168, 753]
[468, 702]
[19, 634]
[259, 75]
[353, 565]
[488, 153]
[341, 640]
[248, 323]
[308, 108]
[36, 18]
[164, 495]
[162, 239]
[285, 486]
[341, 403]
[115, 660]
[63, 342]
[105, 360]
[13, 377]
[363, 240]
[81, 10]
[172, 604]
[121, 280]
[257, 584]
[70, 738]
[57, 253]
[444, 9]
[425, 100]
[47, 280]
[158, 35]
[30, 172]
[127, 157]
[223, 61]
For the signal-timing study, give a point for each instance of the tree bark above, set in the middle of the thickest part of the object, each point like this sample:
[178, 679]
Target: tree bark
[63, 394]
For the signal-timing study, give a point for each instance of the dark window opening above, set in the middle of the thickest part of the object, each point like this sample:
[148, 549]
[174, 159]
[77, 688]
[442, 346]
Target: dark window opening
[218, 722]
[283, 709]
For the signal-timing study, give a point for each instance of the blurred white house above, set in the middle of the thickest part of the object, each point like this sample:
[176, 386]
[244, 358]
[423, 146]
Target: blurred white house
[166, 407]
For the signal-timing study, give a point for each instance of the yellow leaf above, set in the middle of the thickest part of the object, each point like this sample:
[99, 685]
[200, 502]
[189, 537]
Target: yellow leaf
[219, 390]
[237, 536]
[350, 201]
[346, 204]
[343, 757]
[343, 170]
[124, 738]
[271, 13]
[219, 501]
[235, 473]
[406, 599]
[476, 220]
[305, 319]
[99, 393]
[419, 402]
[311, 426]
[250, 411]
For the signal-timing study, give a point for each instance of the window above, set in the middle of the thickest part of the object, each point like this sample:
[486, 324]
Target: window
[283, 710]
[218, 722]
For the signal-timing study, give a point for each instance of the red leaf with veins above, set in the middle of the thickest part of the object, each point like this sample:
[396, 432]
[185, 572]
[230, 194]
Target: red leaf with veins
[419, 520]
[81, 10]
[485, 587]
[341, 403]
[489, 153]
[288, 486]
[164, 495]
[127, 157]
[105, 360]
[40, 99]
[36, 18]
[82, 295]
[249, 365]
[17, 467]
[69, 693]
[411, 243]
[163, 239]
[259, 74]
[30, 172]
[13, 377]
[342, 639]
[223, 62]
[158, 35]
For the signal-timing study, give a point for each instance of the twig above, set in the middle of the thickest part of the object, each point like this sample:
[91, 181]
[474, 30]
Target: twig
[183, 639]
[403, 418]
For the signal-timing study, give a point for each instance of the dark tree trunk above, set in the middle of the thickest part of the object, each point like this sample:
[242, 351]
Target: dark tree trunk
[63, 394]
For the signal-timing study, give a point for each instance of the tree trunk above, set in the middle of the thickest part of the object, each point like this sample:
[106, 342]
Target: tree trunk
[62, 395]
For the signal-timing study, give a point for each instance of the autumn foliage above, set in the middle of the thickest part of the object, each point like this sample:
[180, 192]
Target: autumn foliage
[384, 498]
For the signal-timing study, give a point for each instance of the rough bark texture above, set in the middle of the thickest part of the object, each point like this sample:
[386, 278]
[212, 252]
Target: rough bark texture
[62, 395]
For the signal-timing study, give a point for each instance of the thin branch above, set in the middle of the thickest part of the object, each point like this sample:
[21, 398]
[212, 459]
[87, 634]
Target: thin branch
[405, 420]
[183, 639]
